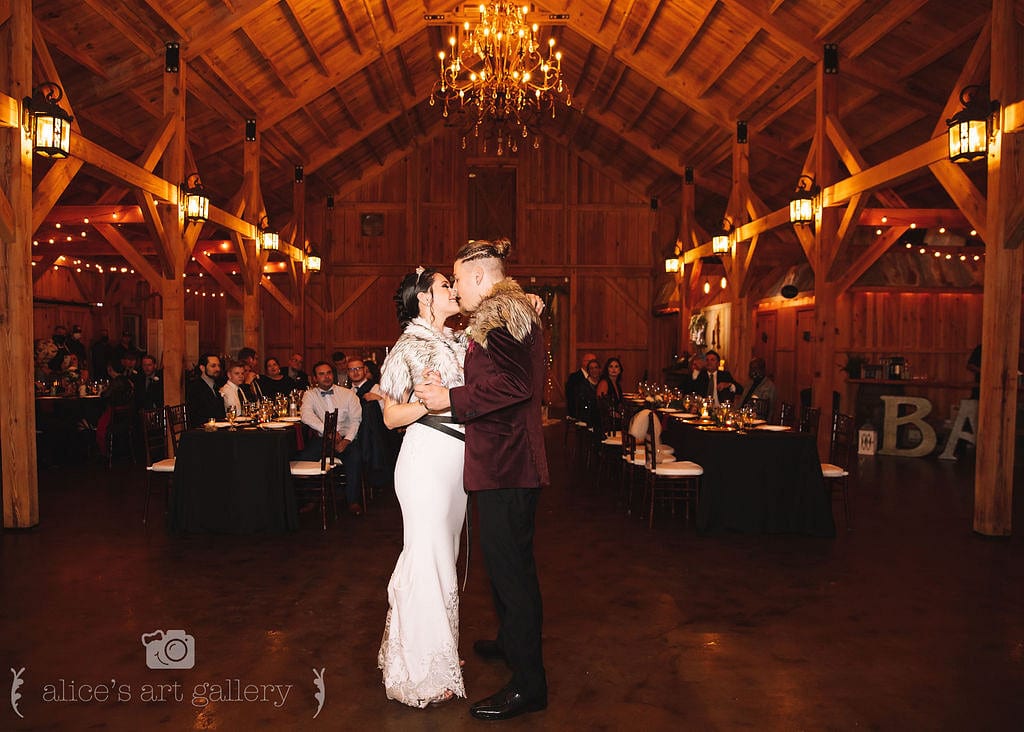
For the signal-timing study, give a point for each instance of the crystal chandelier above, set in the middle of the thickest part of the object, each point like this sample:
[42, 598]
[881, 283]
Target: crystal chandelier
[495, 73]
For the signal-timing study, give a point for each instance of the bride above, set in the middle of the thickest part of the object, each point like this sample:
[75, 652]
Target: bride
[419, 654]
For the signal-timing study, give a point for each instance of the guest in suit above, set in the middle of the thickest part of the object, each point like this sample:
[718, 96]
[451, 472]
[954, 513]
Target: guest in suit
[506, 464]
[201, 395]
[149, 385]
[575, 383]
[250, 382]
[372, 437]
[325, 397]
[715, 383]
[762, 389]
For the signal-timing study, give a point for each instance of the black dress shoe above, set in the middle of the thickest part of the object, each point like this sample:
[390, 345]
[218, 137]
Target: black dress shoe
[489, 650]
[506, 704]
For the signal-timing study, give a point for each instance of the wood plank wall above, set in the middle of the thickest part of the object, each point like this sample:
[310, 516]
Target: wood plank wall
[934, 331]
[575, 228]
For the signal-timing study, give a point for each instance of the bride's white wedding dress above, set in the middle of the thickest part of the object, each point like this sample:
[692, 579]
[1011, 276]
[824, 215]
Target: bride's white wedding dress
[419, 653]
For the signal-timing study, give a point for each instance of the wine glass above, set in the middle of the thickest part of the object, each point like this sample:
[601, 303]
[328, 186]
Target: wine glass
[231, 414]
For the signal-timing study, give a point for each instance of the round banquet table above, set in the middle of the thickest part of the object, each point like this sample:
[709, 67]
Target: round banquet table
[758, 482]
[234, 482]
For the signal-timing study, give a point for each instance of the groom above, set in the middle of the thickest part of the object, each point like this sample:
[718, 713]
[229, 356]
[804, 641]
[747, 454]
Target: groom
[505, 461]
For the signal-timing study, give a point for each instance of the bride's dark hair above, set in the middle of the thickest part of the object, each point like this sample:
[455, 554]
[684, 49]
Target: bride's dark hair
[407, 305]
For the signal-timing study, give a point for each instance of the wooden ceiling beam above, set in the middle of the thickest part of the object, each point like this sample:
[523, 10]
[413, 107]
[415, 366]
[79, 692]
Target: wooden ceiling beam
[62, 44]
[120, 16]
[350, 33]
[165, 15]
[645, 26]
[314, 54]
[641, 111]
[275, 70]
[737, 51]
[684, 46]
[886, 16]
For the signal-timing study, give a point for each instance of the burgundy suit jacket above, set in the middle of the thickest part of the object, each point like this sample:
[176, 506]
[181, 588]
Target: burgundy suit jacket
[501, 408]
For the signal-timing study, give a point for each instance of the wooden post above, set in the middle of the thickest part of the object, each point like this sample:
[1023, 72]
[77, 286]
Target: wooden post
[251, 261]
[20, 479]
[1001, 307]
[826, 240]
[173, 288]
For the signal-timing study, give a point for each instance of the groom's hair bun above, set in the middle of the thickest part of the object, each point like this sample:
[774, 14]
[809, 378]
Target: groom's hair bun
[407, 306]
[484, 249]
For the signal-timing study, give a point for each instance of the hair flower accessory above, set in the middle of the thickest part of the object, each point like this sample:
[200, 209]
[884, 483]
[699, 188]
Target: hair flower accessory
[419, 273]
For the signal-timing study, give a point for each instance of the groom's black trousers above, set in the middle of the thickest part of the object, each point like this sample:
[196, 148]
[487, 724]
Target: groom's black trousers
[506, 537]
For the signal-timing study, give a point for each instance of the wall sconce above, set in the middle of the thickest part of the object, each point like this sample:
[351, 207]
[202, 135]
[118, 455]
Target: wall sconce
[269, 239]
[724, 282]
[720, 242]
[969, 128]
[707, 287]
[672, 265]
[195, 202]
[47, 123]
[801, 205]
[312, 259]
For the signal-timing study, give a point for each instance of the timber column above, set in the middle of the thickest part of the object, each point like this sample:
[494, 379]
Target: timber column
[252, 258]
[826, 242]
[173, 286]
[1001, 308]
[20, 479]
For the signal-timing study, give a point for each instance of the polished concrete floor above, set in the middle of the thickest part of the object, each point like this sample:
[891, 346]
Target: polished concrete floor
[908, 622]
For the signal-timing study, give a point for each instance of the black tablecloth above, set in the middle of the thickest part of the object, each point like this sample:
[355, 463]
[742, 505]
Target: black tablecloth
[234, 482]
[759, 482]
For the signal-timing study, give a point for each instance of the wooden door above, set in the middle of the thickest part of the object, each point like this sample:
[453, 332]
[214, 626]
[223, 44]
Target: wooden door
[765, 341]
[804, 350]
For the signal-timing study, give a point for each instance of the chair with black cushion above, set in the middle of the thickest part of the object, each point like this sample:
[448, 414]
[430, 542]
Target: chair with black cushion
[177, 422]
[321, 472]
[672, 482]
[787, 414]
[841, 457]
[810, 417]
[154, 439]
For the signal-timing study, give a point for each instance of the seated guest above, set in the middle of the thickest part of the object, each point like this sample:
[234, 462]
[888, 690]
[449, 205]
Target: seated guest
[71, 376]
[325, 397]
[372, 438]
[762, 389]
[273, 381]
[125, 346]
[574, 383]
[149, 386]
[295, 372]
[251, 385]
[715, 383]
[586, 396]
[126, 365]
[609, 385]
[233, 392]
[46, 351]
[202, 398]
[340, 367]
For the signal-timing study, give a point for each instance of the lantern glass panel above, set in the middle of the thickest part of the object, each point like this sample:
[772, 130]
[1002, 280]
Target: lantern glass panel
[720, 244]
[52, 136]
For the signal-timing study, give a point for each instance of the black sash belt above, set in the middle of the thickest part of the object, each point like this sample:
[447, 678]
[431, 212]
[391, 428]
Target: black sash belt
[440, 423]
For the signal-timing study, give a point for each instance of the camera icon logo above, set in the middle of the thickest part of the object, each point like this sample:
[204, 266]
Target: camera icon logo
[169, 649]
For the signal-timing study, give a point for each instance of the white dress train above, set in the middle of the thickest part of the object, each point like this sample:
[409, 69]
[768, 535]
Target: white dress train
[419, 654]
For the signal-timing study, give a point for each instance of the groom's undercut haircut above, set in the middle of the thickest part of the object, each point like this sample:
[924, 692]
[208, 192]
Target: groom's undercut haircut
[490, 254]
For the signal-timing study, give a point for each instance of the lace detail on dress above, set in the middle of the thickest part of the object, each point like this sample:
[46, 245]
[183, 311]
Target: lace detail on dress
[437, 673]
